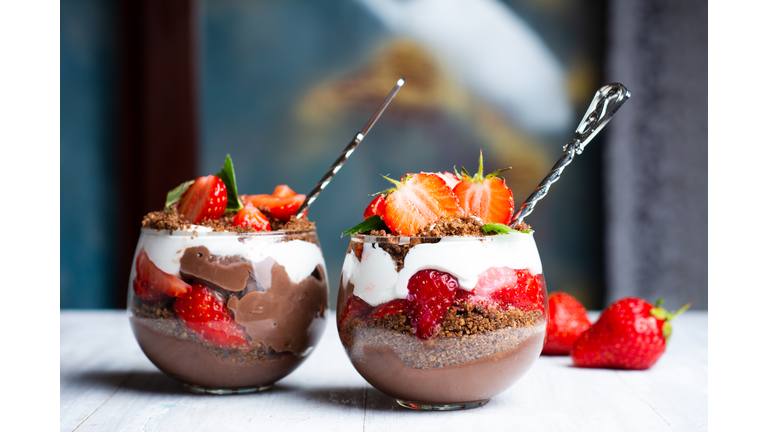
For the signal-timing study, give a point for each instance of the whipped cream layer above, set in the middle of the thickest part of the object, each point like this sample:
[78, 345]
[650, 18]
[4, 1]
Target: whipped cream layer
[300, 258]
[377, 280]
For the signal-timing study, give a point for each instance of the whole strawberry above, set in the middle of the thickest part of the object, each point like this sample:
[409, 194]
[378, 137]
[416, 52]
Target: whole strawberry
[567, 321]
[630, 334]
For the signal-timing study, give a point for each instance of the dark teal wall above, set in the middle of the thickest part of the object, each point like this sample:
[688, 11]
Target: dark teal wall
[88, 36]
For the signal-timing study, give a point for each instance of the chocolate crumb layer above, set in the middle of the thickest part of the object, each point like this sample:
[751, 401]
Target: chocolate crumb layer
[173, 221]
[467, 335]
[464, 226]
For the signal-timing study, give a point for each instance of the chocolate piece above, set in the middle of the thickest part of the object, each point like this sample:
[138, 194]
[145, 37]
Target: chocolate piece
[230, 273]
[281, 316]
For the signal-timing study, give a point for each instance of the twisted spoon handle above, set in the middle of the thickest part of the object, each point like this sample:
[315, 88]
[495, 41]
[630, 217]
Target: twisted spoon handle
[606, 102]
[312, 196]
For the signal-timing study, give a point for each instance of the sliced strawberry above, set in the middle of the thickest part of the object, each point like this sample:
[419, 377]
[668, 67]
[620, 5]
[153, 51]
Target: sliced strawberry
[376, 207]
[205, 199]
[393, 307]
[430, 294]
[250, 216]
[505, 287]
[525, 293]
[450, 178]
[283, 191]
[153, 284]
[207, 316]
[418, 201]
[281, 208]
[355, 307]
[487, 197]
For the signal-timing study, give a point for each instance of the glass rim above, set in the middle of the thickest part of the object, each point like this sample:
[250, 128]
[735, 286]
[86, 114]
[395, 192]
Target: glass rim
[366, 238]
[184, 233]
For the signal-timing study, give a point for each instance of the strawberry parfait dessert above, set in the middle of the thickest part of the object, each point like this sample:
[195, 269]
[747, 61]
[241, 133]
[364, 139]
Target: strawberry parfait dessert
[227, 293]
[442, 305]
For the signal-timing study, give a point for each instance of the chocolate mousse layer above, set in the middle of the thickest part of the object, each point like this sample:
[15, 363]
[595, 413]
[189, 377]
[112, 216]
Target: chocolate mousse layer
[463, 383]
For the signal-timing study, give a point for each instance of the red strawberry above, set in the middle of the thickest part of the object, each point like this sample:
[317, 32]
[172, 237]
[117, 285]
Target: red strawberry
[630, 334]
[205, 199]
[430, 294]
[376, 207]
[283, 191]
[281, 208]
[418, 201]
[152, 284]
[487, 197]
[207, 316]
[355, 307]
[450, 178]
[393, 307]
[567, 321]
[504, 287]
[250, 216]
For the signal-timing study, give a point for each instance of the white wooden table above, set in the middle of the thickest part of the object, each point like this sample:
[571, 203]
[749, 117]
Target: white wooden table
[107, 384]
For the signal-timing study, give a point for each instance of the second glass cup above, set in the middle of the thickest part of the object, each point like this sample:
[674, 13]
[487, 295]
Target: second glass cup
[442, 323]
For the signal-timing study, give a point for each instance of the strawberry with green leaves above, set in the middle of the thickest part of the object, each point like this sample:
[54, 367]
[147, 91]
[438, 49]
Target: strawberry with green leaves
[418, 201]
[488, 197]
[207, 316]
[630, 334]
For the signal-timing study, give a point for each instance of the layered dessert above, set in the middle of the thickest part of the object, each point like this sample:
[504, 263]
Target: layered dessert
[228, 293]
[442, 305]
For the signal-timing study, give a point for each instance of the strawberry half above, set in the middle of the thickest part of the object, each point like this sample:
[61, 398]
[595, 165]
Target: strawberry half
[418, 201]
[153, 284]
[283, 191]
[278, 207]
[487, 197]
[630, 334]
[250, 216]
[505, 287]
[376, 207]
[205, 199]
[430, 294]
[393, 307]
[207, 316]
[567, 321]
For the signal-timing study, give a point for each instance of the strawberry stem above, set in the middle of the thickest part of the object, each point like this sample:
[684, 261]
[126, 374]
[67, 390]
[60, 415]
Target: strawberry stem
[479, 175]
[395, 182]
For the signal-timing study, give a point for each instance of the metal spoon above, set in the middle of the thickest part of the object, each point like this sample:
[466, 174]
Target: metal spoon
[604, 105]
[312, 196]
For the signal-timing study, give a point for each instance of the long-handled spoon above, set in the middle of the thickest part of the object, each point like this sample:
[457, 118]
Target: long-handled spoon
[312, 196]
[604, 105]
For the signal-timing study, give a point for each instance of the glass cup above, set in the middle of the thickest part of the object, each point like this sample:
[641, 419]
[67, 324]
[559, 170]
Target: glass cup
[225, 312]
[442, 323]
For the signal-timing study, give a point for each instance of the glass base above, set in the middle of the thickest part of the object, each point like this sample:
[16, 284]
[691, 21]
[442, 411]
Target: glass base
[450, 407]
[200, 390]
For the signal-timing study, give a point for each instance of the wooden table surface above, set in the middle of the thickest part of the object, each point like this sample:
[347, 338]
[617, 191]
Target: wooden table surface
[107, 384]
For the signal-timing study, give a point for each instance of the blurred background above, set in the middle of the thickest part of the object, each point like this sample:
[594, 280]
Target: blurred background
[156, 93]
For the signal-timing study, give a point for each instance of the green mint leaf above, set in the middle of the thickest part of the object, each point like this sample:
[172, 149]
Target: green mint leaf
[497, 228]
[174, 195]
[372, 223]
[227, 175]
